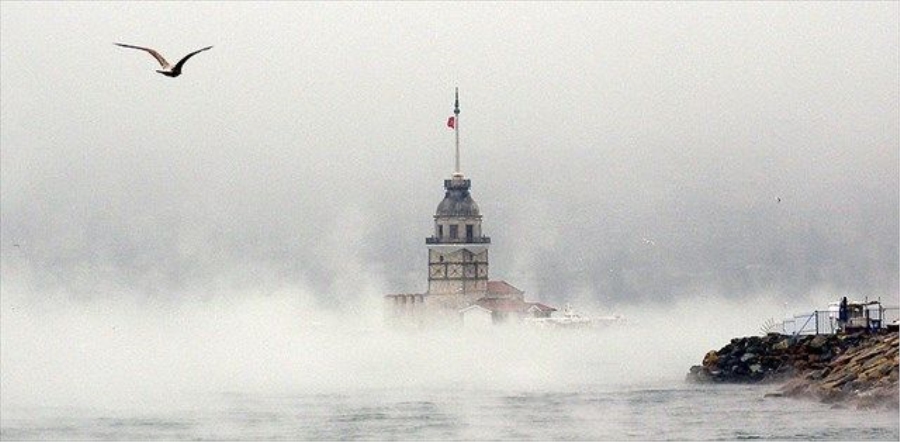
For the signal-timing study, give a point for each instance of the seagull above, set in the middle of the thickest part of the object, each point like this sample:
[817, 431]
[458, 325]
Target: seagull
[167, 69]
[777, 199]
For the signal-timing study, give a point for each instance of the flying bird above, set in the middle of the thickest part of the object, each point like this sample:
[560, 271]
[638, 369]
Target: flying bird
[167, 69]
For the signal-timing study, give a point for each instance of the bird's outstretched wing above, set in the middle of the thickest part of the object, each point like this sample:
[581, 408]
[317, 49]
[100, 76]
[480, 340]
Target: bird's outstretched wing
[162, 61]
[177, 68]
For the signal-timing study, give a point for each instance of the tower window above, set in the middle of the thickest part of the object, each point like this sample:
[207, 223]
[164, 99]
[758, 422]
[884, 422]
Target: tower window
[454, 231]
[470, 231]
[440, 231]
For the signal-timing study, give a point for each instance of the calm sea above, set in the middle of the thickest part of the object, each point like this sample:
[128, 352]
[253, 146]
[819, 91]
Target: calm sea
[637, 412]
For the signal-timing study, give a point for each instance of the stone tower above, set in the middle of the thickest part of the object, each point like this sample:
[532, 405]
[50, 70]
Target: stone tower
[457, 251]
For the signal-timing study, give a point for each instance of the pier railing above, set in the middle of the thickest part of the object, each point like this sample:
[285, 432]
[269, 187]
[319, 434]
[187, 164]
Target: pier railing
[826, 321]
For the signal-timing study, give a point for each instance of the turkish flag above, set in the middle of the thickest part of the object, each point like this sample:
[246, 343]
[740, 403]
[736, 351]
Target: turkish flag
[451, 123]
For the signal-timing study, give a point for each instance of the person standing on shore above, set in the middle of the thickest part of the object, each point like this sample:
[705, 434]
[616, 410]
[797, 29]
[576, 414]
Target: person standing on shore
[842, 314]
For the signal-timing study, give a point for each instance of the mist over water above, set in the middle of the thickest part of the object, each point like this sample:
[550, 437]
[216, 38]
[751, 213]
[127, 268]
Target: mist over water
[275, 367]
[110, 353]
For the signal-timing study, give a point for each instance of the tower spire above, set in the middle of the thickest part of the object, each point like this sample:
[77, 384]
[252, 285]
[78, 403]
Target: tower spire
[456, 129]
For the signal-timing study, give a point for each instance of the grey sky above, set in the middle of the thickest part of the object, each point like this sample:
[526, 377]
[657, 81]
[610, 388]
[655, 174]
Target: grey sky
[618, 151]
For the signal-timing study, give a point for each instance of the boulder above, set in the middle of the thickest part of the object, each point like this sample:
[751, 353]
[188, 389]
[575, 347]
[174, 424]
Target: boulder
[710, 359]
[818, 342]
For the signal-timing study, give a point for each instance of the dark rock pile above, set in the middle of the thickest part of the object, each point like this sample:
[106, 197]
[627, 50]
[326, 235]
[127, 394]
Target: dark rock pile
[828, 367]
[771, 358]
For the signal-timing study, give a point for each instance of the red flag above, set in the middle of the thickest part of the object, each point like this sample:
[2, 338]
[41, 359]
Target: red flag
[451, 123]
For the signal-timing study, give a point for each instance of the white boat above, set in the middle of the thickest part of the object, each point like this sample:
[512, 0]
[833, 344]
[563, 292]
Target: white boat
[569, 318]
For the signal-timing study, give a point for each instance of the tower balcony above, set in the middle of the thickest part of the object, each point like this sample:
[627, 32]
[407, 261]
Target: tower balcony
[458, 184]
[463, 240]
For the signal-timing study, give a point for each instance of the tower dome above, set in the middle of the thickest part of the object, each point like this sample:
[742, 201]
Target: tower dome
[457, 200]
[457, 218]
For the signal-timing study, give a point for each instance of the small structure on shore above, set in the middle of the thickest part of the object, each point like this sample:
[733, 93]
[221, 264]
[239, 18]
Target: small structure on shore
[843, 316]
[854, 316]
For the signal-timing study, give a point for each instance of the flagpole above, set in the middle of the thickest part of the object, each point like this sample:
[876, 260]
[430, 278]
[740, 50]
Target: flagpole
[456, 129]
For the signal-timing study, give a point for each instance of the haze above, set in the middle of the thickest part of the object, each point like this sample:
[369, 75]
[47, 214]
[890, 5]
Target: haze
[234, 229]
[621, 153]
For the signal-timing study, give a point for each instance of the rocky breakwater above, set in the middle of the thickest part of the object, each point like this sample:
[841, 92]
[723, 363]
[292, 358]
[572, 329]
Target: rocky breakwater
[864, 376]
[861, 369]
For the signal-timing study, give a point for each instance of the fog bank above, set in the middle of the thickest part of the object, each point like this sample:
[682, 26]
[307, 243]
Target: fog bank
[109, 354]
